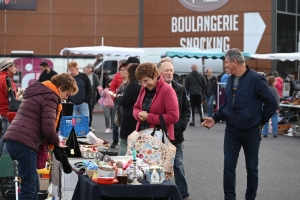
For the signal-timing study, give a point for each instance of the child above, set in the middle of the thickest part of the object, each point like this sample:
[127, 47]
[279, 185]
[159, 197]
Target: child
[107, 103]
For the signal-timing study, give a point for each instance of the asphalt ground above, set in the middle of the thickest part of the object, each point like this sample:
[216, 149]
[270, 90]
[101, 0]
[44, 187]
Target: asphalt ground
[279, 163]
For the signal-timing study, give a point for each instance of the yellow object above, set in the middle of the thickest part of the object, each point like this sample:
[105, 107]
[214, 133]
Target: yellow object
[43, 171]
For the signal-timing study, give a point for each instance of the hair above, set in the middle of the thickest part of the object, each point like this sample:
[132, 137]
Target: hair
[65, 82]
[146, 69]
[207, 70]
[108, 82]
[270, 80]
[131, 71]
[121, 61]
[162, 61]
[90, 65]
[235, 54]
[44, 64]
[72, 64]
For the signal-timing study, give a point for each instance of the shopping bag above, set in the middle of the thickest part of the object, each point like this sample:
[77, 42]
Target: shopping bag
[153, 150]
[41, 156]
[73, 149]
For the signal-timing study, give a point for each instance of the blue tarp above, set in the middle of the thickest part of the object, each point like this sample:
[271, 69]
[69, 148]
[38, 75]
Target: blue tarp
[198, 54]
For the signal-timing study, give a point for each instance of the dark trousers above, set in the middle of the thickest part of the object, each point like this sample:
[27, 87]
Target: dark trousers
[196, 100]
[26, 158]
[114, 126]
[233, 141]
[91, 108]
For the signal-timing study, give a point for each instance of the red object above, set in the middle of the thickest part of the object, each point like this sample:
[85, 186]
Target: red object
[73, 121]
[116, 82]
[3, 92]
[105, 182]
[10, 116]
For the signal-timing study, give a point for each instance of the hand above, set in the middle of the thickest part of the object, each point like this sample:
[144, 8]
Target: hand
[62, 145]
[100, 89]
[143, 115]
[208, 122]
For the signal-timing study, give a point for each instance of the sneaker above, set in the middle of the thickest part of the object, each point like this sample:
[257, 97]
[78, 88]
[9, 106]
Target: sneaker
[192, 124]
[93, 130]
[111, 130]
[274, 136]
[114, 144]
[187, 198]
[107, 130]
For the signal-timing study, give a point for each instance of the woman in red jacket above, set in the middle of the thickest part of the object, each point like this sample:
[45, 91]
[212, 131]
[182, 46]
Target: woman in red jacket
[156, 98]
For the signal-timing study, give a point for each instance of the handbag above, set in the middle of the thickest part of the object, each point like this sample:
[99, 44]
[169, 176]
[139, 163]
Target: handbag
[13, 103]
[73, 149]
[118, 114]
[42, 155]
[153, 150]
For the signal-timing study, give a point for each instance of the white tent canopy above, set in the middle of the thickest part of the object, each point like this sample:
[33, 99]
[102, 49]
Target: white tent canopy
[104, 51]
[277, 56]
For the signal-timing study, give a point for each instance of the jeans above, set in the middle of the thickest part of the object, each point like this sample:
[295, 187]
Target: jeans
[233, 141]
[274, 120]
[108, 116]
[179, 173]
[122, 147]
[114, 126]
[209, 101]
[26, 158]
[5, 124]
[81, 109]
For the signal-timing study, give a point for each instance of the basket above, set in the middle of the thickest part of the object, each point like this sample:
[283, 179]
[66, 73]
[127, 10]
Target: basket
[90, 173]
[80, 123]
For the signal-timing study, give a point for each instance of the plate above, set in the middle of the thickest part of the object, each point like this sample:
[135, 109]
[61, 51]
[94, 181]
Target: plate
[101, 182]
[156, 182]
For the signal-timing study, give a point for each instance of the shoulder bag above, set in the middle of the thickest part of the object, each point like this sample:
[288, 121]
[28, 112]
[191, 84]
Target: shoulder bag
[13, 103]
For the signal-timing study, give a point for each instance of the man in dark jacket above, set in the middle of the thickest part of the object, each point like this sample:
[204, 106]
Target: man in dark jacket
[47, 72]
[195, 84]
[166, 70]
[84, 96]
[248, 105]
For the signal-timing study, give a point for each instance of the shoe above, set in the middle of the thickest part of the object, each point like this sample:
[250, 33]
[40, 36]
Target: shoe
[192, 124]
[265, 135]
[107, 130]
[201, 120]
[274, 136]
[111, 130]
[187, 198]
[93, 130]
[114, 144]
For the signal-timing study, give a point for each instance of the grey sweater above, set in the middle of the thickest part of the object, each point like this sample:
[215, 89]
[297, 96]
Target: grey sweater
[275, 92]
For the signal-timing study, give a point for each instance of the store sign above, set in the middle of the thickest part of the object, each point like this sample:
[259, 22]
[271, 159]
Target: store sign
[18, 4]
[254, 28]
[203, 5]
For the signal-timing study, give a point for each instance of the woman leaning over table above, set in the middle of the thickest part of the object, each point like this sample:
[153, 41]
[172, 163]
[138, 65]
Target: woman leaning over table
[37, 119]
[156, 98]
[271, 80]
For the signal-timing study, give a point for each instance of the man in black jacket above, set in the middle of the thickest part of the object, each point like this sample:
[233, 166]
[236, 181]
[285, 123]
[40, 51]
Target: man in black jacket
[84, 95]
[47, 72]
[195, 84]
[166, 69]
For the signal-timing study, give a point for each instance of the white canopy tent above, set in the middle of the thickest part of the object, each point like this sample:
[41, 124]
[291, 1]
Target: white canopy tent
[277, 56]
[104, 51]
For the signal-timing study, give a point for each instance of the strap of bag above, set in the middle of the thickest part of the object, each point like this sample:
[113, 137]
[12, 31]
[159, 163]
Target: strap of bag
[162, 127]
[10, 91]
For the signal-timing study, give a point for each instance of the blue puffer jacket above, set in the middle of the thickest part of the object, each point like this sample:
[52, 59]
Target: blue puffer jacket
[254, 103]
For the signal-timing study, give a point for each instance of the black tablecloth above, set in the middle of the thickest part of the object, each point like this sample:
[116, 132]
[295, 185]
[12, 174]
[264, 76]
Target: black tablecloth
[86, 189]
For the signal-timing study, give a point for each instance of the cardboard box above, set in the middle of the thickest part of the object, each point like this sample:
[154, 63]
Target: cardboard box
[44, 183]
[283, 127]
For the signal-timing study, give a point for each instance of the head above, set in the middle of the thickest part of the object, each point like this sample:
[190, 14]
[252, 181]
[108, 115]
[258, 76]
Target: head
[275, 73]
[123, 72]
[8, 66]
[66, 85]
[73, 68]
[235, 61]
[271, 80]
[44, 66]
[194, 67]
[131, 60]
[121, 62]
[147, 74]
[209, 73]
[108, 82]
[166, 69]
[89, 68]
[131, 71]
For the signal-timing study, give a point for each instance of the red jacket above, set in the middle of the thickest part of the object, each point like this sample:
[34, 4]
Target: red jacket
[3, 92]
[164, 103]
[279, 86]
[116, 82]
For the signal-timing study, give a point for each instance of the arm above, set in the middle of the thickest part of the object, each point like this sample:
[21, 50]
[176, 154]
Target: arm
[88, 88]
[131, 94]
[49, 110]
[114, 84]
[185, 111]
[137, 108]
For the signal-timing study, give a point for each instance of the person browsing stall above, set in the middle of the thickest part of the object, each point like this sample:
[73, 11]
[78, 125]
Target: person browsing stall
[248, 105]
[156, 98]
[36, 120]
